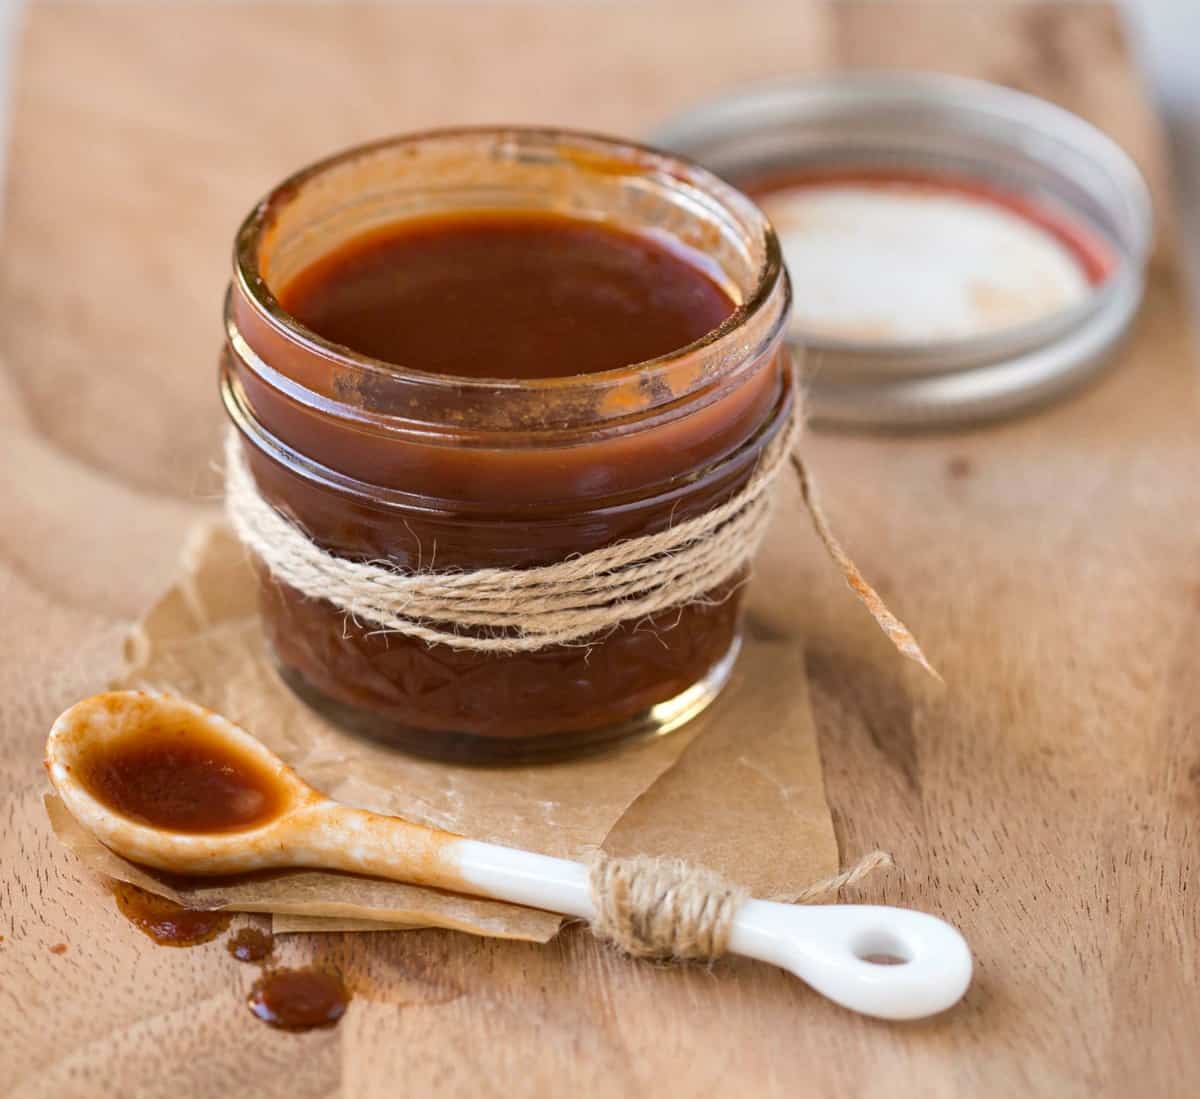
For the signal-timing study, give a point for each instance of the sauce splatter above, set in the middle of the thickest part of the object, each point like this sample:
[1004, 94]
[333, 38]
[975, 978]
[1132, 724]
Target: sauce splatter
[288, 999]
[299, 999]
[251, 945]
[164, 921]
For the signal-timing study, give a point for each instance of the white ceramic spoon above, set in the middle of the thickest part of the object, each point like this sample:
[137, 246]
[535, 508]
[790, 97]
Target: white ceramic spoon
[828, 946]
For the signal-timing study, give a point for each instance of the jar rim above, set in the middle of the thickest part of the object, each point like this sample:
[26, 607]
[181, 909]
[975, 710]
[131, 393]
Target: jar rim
[598, 150]
[252, 434]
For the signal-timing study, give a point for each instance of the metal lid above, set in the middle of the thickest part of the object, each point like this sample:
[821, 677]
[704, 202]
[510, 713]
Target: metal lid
[963, 129]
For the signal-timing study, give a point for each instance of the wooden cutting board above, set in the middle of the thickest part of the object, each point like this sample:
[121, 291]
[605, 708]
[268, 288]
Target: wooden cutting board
[1048, 802]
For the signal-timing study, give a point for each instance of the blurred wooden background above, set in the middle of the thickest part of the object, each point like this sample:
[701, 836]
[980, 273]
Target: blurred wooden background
[1164, 33]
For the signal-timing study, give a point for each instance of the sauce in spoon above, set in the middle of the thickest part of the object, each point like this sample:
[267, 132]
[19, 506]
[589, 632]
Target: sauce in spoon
[175, 774]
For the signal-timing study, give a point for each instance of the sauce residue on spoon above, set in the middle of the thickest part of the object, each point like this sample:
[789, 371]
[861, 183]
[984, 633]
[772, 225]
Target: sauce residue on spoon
[177, 775]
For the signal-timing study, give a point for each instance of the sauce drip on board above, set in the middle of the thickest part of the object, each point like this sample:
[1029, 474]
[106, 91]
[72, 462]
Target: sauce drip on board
[251, 945]
[498, 295]
[177, 776]
[164, 921]
[299, 999]
[289, 999]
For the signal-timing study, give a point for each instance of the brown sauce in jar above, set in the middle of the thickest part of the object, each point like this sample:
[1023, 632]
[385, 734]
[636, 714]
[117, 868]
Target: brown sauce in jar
[176, 775]
[507, 296]
[562, 690]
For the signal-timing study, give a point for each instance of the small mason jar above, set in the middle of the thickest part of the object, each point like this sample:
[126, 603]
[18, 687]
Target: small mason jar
[377, 461]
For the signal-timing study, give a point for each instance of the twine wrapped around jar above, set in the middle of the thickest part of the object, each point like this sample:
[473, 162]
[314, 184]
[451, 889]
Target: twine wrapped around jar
[583, 597]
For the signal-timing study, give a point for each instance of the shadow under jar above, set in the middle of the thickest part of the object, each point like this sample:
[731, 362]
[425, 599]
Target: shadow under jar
[406, 463]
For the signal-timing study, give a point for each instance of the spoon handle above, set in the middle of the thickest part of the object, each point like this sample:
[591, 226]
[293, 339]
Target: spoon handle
[523, 877]
[892, 963]
[836, 949]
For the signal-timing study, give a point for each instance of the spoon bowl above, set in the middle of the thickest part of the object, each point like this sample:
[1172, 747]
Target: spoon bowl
[299, 826]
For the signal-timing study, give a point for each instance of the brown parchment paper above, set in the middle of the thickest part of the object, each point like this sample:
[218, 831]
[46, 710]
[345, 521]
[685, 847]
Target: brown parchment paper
[747, 800]
[747, 797]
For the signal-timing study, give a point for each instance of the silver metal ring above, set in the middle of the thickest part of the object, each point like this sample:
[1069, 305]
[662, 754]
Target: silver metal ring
[944, 125]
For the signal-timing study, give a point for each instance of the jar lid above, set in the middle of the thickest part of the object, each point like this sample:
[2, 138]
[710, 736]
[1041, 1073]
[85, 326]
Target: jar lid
[958, 250]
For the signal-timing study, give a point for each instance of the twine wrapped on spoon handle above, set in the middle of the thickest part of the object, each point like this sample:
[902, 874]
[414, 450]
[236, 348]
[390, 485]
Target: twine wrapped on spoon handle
[654, 907]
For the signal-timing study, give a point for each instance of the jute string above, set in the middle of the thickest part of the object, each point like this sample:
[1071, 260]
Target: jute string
[501, 610]
[574, 601]
[665, 908]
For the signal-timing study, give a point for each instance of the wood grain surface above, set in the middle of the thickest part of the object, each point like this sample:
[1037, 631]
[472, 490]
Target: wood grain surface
[1047, 802]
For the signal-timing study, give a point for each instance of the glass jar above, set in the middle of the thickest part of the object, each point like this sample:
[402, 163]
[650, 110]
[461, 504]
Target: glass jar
[376, 461]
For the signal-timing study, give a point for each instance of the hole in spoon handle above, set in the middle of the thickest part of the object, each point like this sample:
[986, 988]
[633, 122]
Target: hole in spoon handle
[892, 963]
